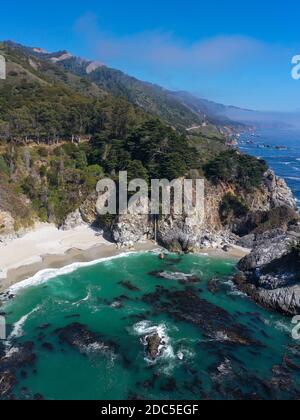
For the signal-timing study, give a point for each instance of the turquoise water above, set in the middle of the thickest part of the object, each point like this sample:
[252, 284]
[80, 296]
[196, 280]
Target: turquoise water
[218, 344]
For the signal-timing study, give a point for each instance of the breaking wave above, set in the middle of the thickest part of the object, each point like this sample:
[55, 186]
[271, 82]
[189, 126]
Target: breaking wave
[48, 274]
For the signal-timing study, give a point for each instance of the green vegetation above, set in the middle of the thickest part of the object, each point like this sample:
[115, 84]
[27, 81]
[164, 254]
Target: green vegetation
[61, 130]
[55, 184]
[50, 113]
[151, 150]
[278, 217]
[58, 179]
[232, 167]
[232, 206]
[153, 99]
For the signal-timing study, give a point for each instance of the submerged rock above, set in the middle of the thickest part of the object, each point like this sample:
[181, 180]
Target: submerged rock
[79, 337]
[187, 306]
[7, 383]
[169, 386]
[48, 347]
[129, 286]
[16, 359]
[213, 286]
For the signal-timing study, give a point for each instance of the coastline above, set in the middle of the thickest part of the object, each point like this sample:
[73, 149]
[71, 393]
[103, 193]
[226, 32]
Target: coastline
[47, 248]
[72, 256]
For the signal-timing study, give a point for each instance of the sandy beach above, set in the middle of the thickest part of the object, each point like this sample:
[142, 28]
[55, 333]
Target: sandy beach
[46, 247]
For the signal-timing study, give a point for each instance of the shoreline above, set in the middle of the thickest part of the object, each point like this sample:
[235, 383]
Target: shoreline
[47, 248]
[72, 256]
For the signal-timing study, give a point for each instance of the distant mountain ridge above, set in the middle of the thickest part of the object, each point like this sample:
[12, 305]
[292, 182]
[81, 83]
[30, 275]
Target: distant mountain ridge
[229, 114]
[182, 110]
[179, 109]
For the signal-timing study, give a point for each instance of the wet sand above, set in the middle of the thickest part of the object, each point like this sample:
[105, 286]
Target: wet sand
[106, 250]
[72, 256]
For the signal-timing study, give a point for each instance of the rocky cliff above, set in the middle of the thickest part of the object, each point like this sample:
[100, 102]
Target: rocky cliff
[265, 220]
[270, 273]
[271, 205]
[270, 227]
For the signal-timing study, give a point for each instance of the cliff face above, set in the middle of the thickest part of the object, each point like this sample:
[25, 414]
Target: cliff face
[6, 223]
[15, 212]
[198, 231]
[270, 273]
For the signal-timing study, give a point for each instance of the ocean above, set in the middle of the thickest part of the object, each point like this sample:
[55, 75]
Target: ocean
[281, 149]
[83, 329]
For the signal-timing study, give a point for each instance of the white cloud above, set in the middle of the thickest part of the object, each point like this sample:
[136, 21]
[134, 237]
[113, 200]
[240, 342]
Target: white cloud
[162, 50]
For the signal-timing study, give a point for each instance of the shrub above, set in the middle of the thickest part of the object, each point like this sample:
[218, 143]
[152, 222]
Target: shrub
[3, 166]
[232, 206]
[232, 167]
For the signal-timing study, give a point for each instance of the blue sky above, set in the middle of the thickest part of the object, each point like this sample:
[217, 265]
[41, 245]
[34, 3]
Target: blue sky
[229, 51]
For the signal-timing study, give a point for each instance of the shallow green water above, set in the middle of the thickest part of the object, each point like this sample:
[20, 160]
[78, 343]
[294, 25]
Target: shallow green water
[199, 361]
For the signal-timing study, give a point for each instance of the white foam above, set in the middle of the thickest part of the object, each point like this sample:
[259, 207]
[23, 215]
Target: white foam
[146, 328]
[225, 368]
[234, 290]
[280, 325]
[284, 163]
[11, 351]
[175, 276]
[17, 331]
[48, 274]
[86, 299]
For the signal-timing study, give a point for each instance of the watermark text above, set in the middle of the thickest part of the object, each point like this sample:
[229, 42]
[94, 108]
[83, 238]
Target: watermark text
[2, 68]
[2, 328]
[296, 329]
[296, 67]
[160, 197]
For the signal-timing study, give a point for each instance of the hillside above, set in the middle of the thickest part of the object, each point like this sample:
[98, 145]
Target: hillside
[66, 122]
[59, 133]
[41, 102]
[215, 112]
[172, 107]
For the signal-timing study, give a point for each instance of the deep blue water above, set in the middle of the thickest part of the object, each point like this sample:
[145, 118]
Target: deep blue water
[286, 163]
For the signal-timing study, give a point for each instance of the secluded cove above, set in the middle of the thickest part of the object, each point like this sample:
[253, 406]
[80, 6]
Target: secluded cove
[81, 335]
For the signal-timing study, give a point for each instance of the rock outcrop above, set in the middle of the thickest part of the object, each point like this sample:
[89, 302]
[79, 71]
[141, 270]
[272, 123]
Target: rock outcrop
[7, 226]
[154, 344]
[270, 206]
[73, 220]
[279, 194]
[270, 274]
